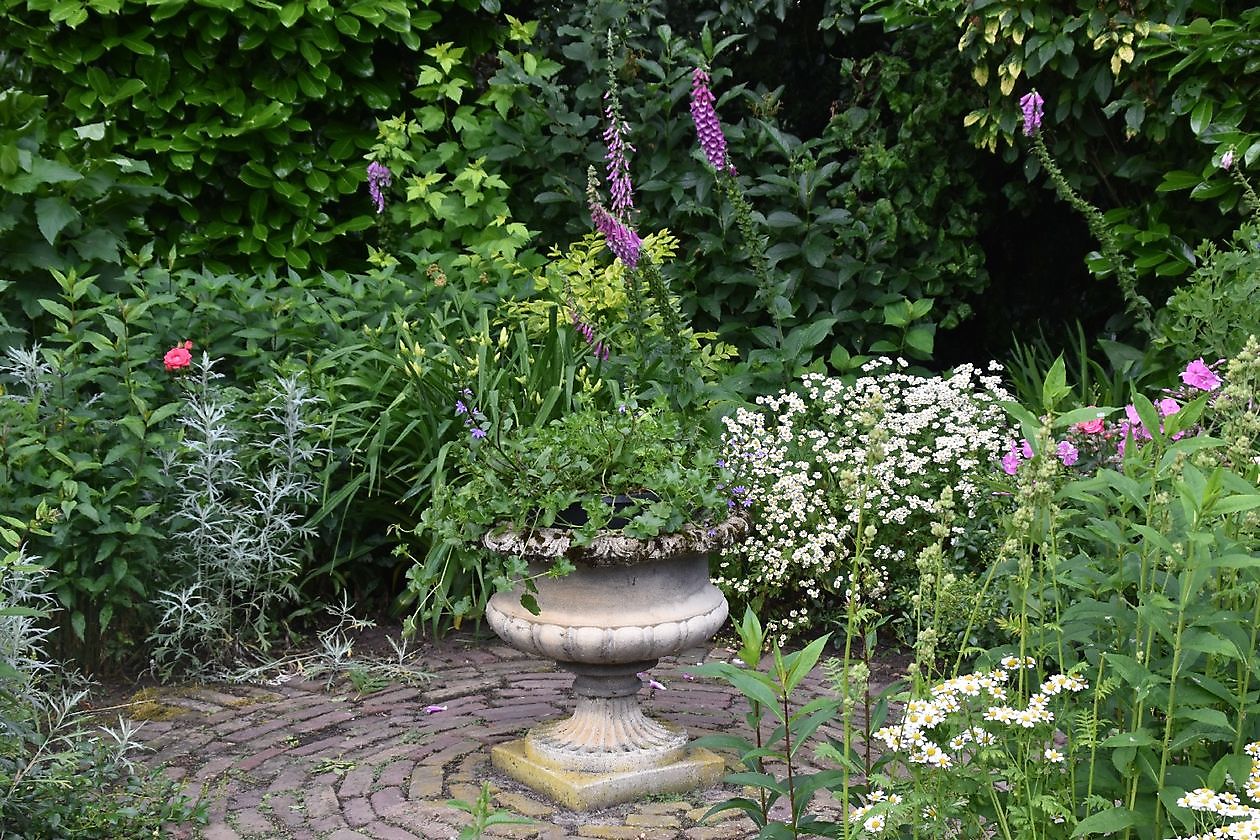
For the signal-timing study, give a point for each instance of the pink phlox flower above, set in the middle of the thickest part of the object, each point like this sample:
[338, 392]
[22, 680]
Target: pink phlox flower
[1068, 453]
[1031, 103]
[1198, 375]
[379, 177]
[1167, 406]
[1010, 461]
[1026, 448]
[1134, 424]
[708, 129]
[179, 356]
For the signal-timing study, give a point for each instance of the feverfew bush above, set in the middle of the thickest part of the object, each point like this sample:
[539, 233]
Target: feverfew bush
[876, 453]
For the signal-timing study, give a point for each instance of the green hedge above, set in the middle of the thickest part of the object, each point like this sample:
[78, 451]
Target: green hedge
[256, 115]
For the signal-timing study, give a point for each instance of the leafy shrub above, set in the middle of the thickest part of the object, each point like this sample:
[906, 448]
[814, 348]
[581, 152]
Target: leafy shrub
[1144, 86]
[1144, 575]
[92, 423]
[81, 418]
[1217, 308]
[843, 469]
[65, 200]
[61, 776]
[868, 226]
[456, 198]
[253, 116]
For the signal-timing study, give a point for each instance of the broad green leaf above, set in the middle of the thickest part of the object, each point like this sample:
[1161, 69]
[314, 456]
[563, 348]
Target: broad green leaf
[58, 310]
[797, 665]
[1105, 822]
[1054, 388]
[1081, 415]
[53, 213]
[1129, 739]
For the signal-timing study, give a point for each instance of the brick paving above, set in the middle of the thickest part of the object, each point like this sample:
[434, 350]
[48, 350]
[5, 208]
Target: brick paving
[298, 761]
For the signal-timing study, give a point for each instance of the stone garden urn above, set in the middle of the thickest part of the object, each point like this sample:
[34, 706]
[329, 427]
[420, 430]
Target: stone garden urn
[628, 603]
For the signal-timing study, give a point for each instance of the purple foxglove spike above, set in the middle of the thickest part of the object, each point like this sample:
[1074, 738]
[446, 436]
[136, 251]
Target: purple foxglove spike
[379, 177]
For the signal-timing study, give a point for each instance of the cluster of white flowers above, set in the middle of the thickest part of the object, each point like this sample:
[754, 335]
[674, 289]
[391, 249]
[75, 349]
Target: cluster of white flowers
[1208, 801]
[874, 823]
[886, 444]
[914, 734]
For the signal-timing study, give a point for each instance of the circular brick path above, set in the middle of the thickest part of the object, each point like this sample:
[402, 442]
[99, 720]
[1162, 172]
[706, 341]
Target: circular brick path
[300, 761]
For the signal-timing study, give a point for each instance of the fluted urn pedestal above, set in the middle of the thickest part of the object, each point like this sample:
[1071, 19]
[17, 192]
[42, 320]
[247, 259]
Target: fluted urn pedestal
[628, 603]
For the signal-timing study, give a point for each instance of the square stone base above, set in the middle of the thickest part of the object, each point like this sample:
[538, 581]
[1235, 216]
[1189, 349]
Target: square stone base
[698, 768]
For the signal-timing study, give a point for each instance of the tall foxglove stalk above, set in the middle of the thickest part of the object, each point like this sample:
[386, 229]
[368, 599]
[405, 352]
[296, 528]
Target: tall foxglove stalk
[1031, 104]
[617, 167]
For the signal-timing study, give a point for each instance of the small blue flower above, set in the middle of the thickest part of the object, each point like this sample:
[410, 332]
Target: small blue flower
[460, 408]
[478, 433]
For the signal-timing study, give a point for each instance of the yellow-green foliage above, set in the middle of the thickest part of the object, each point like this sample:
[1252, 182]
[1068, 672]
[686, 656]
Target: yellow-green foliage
[581, 278]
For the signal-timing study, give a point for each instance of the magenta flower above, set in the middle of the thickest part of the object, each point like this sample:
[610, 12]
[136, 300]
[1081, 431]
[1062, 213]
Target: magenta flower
[1198, 375]
[1068, 453]
[179, 356]
[651, 682]
[712, 141]
[622, 241]
[618, 166]
[430, 710]
[1031, 103]
[379, 176]
[1026, 448]
[598, 348]
[1167, 406]
[1010, 461]
[1134, 424]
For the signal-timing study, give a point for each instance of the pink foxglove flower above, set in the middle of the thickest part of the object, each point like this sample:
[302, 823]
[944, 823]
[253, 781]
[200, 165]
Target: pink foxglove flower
[379, 177]
[622, 241]
[618, 167]
[703, 112]
[1198, 375]
[1031, 104]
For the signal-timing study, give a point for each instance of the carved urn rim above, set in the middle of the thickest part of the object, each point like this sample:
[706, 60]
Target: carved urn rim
[614, 548]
